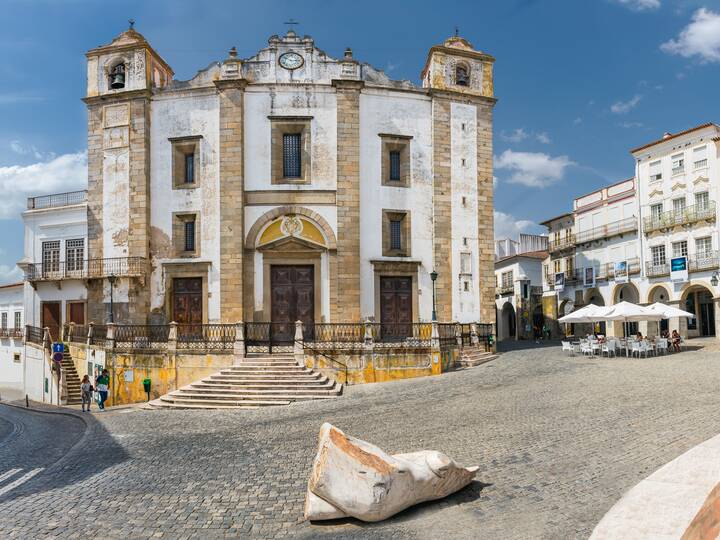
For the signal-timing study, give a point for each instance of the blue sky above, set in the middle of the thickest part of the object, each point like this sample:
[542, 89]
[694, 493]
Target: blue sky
[579, 82]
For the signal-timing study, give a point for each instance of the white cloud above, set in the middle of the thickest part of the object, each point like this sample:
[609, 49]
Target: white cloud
[67, 172]
[577, 121]
[19, 148]
[700, 38]
[543, 137]
[629, 125]
[623, 107]
[10, 274]
[508, 226]
[12, 99]
[495, 181]
[516, 135]
[533, 169]
[640, 5]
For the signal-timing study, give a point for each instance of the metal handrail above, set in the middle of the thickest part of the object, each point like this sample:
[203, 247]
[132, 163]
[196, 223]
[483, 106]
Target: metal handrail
[606, 231]
[671, 218]
[321, 353]
[57, 200]
[564, 242]
[88, 268]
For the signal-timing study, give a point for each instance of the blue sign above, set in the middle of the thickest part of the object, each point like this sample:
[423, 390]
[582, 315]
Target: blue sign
[58, 347]
[678, 264]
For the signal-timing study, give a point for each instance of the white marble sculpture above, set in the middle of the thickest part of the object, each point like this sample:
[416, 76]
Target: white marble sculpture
[353, 478]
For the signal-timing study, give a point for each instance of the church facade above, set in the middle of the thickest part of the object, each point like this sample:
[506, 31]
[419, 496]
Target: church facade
[289, 186]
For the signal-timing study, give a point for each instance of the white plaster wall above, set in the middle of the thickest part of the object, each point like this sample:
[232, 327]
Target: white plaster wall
[463, 159]
[303, 100]
[116, 202]
[11, 372]
[37, 369]
[401, 114]
[183, 115]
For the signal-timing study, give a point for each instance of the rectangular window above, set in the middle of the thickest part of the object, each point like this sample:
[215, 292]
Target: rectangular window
[678, 164]
[395, 234]
[394, 165]
[658, 255]
[702, 200]
[656, 211]
[292, 166]
[679, 205]
[680, 249]
[655, 171]
[557, 265]
[700, 157]
[74, 254]
[507, 280]
[703, 247]
[568, 266]
[18, 319]
[51, 256]
[3, 321]
[190, 235]
[189, 168]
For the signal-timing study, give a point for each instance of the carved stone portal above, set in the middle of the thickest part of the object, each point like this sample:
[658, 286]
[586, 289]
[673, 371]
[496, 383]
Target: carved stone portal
[353, 478]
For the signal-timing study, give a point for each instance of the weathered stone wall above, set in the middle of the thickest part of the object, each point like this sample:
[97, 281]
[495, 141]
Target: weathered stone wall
[442, 202]
[486, 222]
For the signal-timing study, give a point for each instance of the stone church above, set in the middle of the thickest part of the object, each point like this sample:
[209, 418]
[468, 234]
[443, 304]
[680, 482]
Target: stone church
[290, 185]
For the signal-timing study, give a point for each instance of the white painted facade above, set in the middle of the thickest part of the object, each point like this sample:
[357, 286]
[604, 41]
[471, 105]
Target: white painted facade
[518, 278]
[11, 341]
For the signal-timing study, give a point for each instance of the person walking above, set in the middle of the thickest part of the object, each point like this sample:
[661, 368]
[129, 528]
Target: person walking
[86, 388]
[102, 384]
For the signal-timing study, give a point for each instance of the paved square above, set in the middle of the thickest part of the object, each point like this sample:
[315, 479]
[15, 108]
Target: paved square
[558, 440]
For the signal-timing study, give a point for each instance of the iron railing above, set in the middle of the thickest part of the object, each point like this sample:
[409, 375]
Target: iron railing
[340, 365]
[607, 231]
[78, 333]
[564, 242]
[407, 334]
[269, 336]
[607, 270]
[486, 334]
[466, 334]
[33, 334]
[334, 332]
[505, 289]
[57, 200]
[206, 337]
[99, 335]
[655, 270]
[671, 218]
[87, 269]
[13, 333]
[704, 261]
[447, 335]
[140, 337]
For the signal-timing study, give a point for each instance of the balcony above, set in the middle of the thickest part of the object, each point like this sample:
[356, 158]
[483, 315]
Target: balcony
[536, 290]
[57, 200]
[14, 333]
[656, 270]
[89, 269]
[570, 277]
[673, 218]
[506, 289]
[699, 262]
[607, 270]
[565, 242]
[607, 231]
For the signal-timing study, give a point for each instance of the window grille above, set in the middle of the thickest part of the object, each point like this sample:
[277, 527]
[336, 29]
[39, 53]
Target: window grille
[4, 321]
[680, 249]
[507, 280]
[658, 255]
[702, 200]
[292, 165]
[703, 247]
[395, 165]
[189, 168]
[74, 254]
[190, 235]
[18, 319]
[395, 234]
[678, 164]
[51, 256]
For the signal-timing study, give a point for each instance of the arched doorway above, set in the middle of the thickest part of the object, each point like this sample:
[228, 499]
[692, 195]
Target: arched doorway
[698, 299]
[566, 307]
[594, 296]
[508, 321]
[538, 321]
[659, 294]
[626, 292]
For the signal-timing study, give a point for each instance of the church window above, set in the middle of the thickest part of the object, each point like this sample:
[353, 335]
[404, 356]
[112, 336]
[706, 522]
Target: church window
[185, 160]
[190, 234]
[292, 156]
[461, 76]
[395, 165]
[395, 155]
[189, 168]
[186, 240]
[396, 233]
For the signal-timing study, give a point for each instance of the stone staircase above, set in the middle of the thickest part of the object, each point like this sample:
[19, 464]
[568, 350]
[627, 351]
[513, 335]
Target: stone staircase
[72, 380]
[258, 381]
[474, 356]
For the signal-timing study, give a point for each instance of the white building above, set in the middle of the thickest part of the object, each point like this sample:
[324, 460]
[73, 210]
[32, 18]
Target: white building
[11, 341]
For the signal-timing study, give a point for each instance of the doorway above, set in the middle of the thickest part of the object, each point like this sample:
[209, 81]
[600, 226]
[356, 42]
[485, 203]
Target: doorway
[51, 318]
[707, 314]
[187, 301]
[396, 313]
[292, 298]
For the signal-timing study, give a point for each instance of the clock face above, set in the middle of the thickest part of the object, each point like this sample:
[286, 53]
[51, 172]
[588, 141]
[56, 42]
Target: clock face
[291, 60]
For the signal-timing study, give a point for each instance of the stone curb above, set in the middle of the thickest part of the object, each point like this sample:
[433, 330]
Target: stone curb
[669, 501]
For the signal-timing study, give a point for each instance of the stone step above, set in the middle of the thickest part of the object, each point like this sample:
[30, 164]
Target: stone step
[313, 383]
[208, 403]
[281, 370]
[159, 404]
[267, 376]
[192, 389]
[477, 360]
[265, 365]
[177, 395]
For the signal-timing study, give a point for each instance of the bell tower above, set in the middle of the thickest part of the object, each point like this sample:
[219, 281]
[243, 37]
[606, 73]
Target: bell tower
[457, 66]
[121, 78]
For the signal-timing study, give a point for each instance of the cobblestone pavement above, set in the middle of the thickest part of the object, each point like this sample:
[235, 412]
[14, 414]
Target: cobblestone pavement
[558, 441]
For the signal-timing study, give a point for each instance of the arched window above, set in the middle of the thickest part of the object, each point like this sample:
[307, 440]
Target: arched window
[117, 76]
[461, 76]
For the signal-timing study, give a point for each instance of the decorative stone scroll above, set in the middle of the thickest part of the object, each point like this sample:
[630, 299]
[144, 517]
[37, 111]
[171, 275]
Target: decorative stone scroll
[353, 478]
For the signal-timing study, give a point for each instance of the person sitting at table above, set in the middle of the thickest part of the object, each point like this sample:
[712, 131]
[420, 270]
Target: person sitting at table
[638, 336]
[676, 341]
[665, 334]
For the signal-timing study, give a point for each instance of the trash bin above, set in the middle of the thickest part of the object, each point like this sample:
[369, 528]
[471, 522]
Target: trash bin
[146, 387]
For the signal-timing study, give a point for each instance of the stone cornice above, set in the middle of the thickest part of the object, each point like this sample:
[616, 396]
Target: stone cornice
[351, 84]
[121, 96]
[460, 96]
[224, 84]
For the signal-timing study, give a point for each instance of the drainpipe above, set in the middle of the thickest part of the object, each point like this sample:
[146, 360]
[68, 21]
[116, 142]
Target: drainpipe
[640, 220]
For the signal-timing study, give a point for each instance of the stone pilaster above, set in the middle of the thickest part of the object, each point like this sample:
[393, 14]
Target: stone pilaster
[95, 305]
[486, 232]
[442, 206]
[232, 231]
[348, 201]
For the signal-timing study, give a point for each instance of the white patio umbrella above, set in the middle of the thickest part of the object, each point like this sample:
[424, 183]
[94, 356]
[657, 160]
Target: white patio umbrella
[629, 312]
[586, 314]
[668, 312]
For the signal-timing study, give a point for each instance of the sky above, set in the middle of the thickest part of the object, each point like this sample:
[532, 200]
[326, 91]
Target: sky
[578, 82]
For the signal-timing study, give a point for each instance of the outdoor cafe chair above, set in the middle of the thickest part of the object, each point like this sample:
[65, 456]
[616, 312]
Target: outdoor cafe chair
[608, 347]
[567, 347]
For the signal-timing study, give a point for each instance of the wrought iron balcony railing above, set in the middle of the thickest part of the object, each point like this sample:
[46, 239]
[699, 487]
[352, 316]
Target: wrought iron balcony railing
[15, 333]
[687, 215]
[656, 269]
[709, 260]
[564, 242]
[57, 200]
[87, 269]
[505, 289]
[607, 231]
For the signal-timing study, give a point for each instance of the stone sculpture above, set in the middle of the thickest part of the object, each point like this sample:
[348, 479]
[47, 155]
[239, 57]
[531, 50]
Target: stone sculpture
[353, 478]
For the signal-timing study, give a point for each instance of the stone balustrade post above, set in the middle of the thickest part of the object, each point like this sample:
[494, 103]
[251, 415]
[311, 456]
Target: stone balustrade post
[474, 339]
[435, 336]
[299, 344]
[368, 335]
[47, 340]
[458, 335]
[71, 332]
[239, 344]
[172, 337]
[91, 331]
[110, 336]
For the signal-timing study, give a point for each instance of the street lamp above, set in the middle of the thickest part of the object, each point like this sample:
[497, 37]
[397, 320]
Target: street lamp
[714, 278]
[433, 278]
[112, 278]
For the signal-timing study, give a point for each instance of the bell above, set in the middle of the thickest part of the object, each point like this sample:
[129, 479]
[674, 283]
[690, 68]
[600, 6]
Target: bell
[118, 81]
